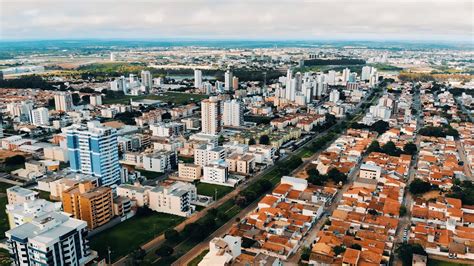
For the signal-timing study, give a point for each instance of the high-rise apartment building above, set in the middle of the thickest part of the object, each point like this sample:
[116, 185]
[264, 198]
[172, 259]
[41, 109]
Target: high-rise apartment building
[211, 116]
[197, 78]
[345, 74]
[233, 113]
[63, 101]
[235, 83]
[228, 80]
[147, 80]
[50, 239]
[91, 204]
[366, 71]
[93, 150]
[40, 116]
[334, 96]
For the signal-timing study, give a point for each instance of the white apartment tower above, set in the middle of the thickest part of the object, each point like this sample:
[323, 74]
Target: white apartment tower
[233, 113]
[228, 77]
[211, 116]
[51, 239]
[345, 74]
[147, 80]
[334, 96]
[366, 72]
[63, 101]
[40, 116]
[197, 78]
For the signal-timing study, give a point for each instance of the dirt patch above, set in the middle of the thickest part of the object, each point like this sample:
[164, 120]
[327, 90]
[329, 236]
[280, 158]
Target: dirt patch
[432, 195]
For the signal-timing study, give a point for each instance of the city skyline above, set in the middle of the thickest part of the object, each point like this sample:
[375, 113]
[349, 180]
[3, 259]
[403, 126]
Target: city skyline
[426, 20]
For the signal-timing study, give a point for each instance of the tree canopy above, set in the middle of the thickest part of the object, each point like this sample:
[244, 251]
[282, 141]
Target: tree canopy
[419, 186]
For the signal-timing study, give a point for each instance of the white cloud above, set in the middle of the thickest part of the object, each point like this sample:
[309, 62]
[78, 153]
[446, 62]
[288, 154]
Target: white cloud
[282, 19]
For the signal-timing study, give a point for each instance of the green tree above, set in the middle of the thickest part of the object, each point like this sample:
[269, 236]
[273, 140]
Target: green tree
[410, 148]
[380, 126]
[221, 139]
[403, 211]
[164, 251]
[337, 176]
[339, 250]
[305, 253]
[264, 139]
[419, 186]
[356, 246]
[405, 252]
[16, 159]
[75, 98]
[252, 141]
[374, 147]
[137, 256]
[172, 235]
[390, 149]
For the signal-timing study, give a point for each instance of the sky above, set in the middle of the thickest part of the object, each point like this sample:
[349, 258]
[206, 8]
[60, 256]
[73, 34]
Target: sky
[419, 20]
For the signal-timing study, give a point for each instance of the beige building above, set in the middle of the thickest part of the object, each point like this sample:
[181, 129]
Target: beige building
[189, 171]
[18, 195]
[370, 171]
[242, 164]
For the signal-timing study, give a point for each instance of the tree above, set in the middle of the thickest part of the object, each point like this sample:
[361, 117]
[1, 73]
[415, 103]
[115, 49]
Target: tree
[221, 139]
[403, 211]
[128, 117]
[87, 90]
[390, 149]
[372, 212]
[86, 99]
[51, 103]
[339, 250]
[166, 116]
[264, 139]
[138, 255]
[252, 141]
[75, 98]
[356, 246]
[380, 126]
[419, 186]
[405, 252]
[305, 253]
[410, 148]
[172, 235]
[315, 178]
[164, 251]
[16, 159]
[337, 176]
[374, 147]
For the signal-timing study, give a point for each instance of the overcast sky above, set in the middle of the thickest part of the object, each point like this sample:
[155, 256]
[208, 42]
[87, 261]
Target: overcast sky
[448, 20]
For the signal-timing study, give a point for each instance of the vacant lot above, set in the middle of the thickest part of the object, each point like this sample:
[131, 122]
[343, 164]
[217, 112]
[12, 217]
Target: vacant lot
[129, 235]
[211, 190]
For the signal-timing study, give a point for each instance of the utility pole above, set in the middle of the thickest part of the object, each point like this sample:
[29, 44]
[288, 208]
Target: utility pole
[215, 194]
[108, 253]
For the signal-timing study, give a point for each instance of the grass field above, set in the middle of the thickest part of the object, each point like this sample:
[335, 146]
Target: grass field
[129, 235]
[5, 257]
[3, 217]
[198, 259]
[4, 186]
[210, 190]
[149, 174]
[177, 98]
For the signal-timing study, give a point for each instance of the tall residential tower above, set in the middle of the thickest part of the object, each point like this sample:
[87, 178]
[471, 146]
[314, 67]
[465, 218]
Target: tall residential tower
[93, 150]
